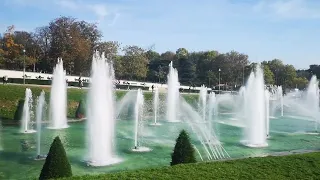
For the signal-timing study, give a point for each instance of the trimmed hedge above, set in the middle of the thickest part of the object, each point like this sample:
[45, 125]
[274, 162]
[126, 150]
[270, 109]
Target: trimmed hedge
[57, 164]
[299, 166]
[183, 152]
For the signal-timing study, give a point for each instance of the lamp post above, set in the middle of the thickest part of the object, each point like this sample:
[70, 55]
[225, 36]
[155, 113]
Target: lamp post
[24, 66]
[219, 79]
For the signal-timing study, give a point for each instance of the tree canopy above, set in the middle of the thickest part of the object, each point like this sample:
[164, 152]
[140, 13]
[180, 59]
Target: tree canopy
[75, 41]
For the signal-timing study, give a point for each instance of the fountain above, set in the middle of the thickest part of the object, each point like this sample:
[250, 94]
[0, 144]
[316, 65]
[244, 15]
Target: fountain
[27, 113]
[212, 147]
[312, 100]
[101, 114]
[138, 123]
[280, 97]
[173, 95]
[39, 115]
[212, 114]
[155, 107]
[304, 105]
[267, 115]
[203, 102]
[58, 98]
[255, 111]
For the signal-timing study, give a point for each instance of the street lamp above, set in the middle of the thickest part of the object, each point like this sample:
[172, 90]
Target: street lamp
[219, 79]
[24, 66]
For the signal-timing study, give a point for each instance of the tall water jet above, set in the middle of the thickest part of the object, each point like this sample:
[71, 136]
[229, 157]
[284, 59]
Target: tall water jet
[101, 114]
[173, 95]
[267, 116]
[203, 102]
[58, 98]
[280, 97]
[212, 115]
[138, 113]
[39, 115]
[312, 99]
[155, 106]
[27, 113]
[255, 110]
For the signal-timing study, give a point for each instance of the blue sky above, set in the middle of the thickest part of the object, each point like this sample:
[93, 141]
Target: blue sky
[263, 29]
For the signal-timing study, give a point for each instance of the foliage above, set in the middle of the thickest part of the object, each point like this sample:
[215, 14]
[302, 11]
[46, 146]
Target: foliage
[300, 82]
[57, 164]
[268, 75]
[134, 63]
[298, 166]
[19, 112]
[183, 150]
[75, 40]
[81, 111]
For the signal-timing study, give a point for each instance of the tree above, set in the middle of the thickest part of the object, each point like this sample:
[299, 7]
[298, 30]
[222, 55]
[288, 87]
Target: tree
[110, 48]
[73, 41]
[57, 164]
[300, 82]
[183, 151]
[182, 53]
[268, 75]
[289, 73]
[11, 50]
[186, 70]
[134, 62]
[277, 68]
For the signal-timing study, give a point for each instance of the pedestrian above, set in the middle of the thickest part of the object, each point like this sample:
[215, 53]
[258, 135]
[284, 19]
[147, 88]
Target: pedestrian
[5, 79]
[80, 83]
[152, 87]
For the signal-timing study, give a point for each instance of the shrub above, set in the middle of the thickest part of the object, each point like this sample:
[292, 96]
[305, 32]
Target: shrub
[19, 110]
[183, 151]
[81, 110]
[57, 164]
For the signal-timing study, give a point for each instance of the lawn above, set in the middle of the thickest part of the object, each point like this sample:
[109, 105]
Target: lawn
[297, 166]
[10, 95]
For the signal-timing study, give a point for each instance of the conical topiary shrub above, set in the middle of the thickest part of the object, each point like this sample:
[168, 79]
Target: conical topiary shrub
[57, 164]
[19, 111]
[183, 150]
[81, 110]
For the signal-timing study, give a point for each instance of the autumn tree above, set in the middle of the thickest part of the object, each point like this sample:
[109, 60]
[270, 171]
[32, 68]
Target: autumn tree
[134, 62]
[11, 51]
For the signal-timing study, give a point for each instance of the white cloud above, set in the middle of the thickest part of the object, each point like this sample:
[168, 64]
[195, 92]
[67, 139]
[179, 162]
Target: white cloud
[100, 10]
[68, 4]
[289, 9]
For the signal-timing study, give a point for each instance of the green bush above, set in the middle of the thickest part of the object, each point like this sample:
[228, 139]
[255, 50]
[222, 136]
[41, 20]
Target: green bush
[19, 110]
[183, 151]
[57, 164]
[81, 110]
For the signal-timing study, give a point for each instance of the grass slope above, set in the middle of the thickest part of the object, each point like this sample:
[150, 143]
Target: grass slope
[299, 166]
[10, 95]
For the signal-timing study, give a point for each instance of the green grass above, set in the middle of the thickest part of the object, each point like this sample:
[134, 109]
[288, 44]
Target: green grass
[11, 94]
[299, 166]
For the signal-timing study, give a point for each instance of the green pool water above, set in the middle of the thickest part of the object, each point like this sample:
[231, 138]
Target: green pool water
[286, 134]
